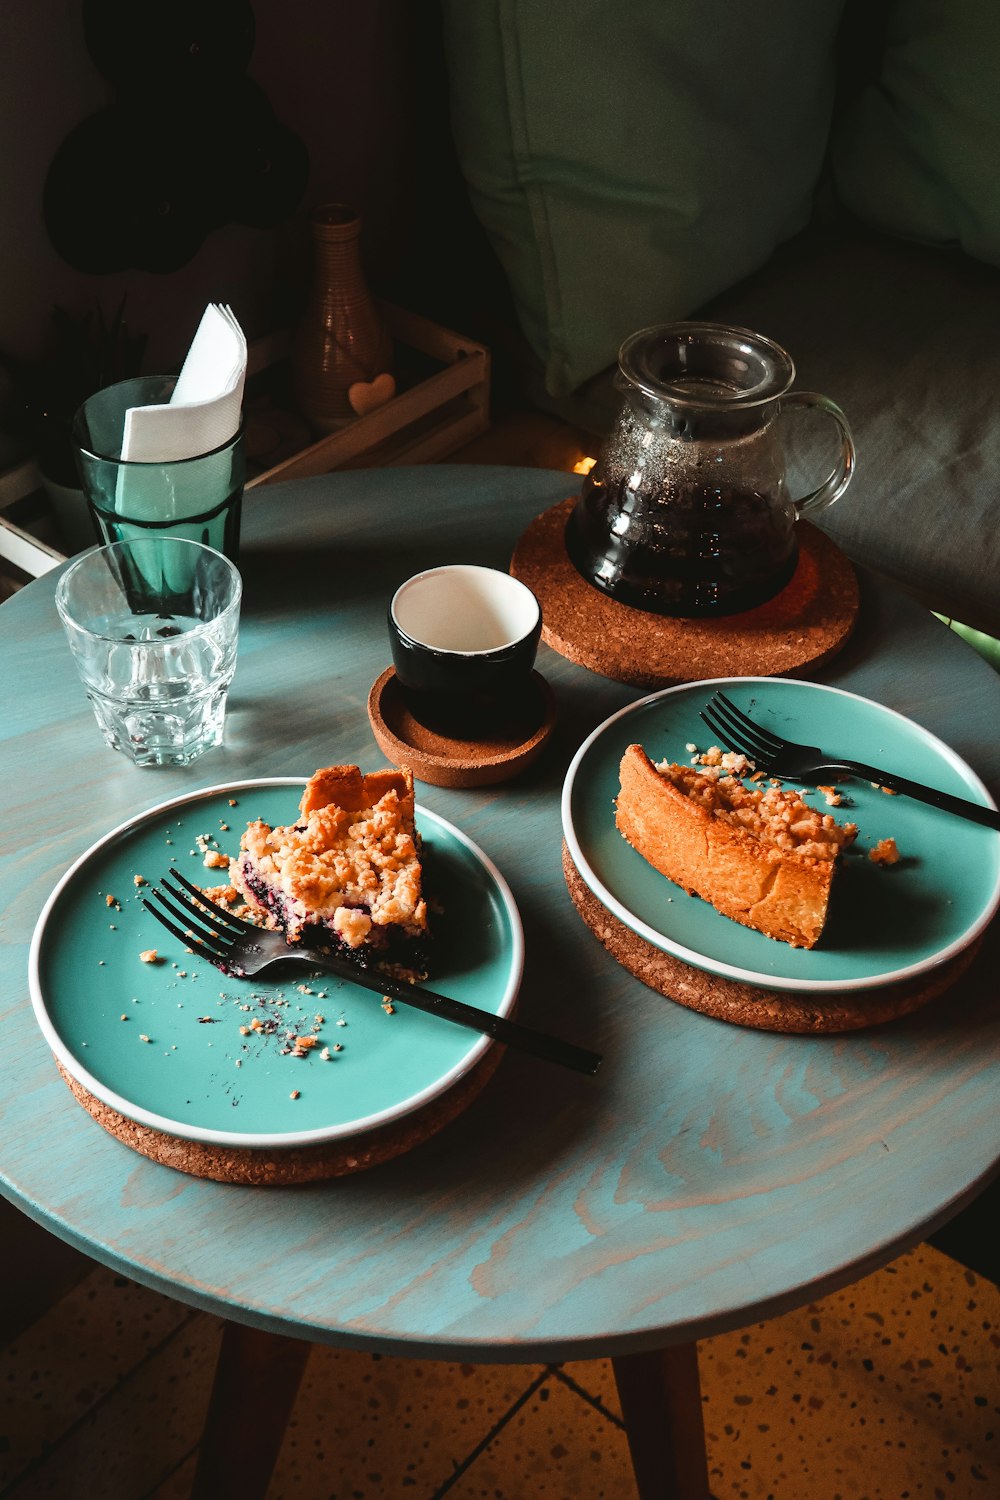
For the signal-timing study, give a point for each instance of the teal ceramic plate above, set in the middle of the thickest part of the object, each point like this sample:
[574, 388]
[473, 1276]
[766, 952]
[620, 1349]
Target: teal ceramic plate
[885, 924]
[199, 1076]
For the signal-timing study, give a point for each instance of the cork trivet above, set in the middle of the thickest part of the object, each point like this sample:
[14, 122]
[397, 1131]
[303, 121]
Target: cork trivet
[280, 1167]
[745, 1004]
[805, 624]
[444, 760]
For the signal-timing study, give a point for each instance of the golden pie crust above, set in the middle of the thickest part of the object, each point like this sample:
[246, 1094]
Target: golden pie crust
[351, 862]
[759, 855]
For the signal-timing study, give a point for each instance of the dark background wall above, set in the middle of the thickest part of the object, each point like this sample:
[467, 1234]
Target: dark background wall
[358, 83]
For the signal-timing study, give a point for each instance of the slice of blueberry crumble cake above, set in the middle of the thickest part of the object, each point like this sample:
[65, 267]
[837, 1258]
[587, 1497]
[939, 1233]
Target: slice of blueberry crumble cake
[347, 874]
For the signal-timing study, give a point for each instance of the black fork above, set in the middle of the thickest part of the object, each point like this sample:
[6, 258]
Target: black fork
[242, 950]
[796, 762]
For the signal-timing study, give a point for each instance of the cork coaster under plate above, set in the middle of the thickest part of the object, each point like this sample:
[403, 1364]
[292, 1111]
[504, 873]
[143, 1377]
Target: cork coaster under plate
[802, 626]
[448, 760]
[260, 1167]
[747, 1005]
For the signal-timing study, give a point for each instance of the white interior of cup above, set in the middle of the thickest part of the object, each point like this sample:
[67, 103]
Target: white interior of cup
[464, 608]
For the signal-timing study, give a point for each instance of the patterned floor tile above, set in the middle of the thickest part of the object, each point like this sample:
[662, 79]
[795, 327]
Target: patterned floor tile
[556, 1447]
[56, 1370]
[37, 1269]
[594, 1379]
[128, 1443]
[889, 1390]
[367, 1426]
[177, 1485]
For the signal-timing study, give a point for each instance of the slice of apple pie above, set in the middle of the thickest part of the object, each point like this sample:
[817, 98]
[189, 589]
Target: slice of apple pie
[347, 874]
[761, 856]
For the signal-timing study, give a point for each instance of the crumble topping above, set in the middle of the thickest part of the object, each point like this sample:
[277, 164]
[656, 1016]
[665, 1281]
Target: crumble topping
[359, 870]
[723, 762]
[350, 863]
[785, 820]
[775, 816]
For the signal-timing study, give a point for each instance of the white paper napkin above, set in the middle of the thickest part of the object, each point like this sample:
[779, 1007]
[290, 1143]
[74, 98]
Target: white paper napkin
[204, 409]
[203, 413]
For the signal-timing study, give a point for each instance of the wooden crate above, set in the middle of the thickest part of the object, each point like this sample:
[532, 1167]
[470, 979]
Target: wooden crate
[447, 405]
[422, 423]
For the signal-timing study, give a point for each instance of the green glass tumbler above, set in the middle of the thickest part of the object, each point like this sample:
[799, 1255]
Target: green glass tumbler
[197, 498]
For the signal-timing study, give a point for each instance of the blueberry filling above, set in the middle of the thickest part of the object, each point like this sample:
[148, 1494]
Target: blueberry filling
[382, 946]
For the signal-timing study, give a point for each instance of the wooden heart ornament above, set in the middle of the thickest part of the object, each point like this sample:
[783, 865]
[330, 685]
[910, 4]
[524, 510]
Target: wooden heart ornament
[368, 395]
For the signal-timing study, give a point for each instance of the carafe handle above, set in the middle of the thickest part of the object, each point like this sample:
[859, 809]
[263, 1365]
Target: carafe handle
[836, 482]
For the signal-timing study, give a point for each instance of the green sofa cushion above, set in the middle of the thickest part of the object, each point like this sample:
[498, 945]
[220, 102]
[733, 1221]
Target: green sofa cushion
[629, 161]
[917, 152]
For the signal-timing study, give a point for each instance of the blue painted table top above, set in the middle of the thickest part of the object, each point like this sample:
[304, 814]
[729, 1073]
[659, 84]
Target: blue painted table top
[707, 1177]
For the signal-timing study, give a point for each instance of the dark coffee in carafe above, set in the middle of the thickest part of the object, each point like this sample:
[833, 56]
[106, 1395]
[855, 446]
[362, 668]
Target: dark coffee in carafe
[687, 511]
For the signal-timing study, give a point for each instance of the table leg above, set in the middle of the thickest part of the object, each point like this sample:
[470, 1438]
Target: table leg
[661, 1402]
[256, 1380]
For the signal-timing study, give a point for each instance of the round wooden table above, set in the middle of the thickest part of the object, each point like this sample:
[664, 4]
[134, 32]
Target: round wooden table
[708, 1177]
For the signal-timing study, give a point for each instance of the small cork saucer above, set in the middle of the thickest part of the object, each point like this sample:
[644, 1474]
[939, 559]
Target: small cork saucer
[444, 760]
[805, 624]
[748, 1005]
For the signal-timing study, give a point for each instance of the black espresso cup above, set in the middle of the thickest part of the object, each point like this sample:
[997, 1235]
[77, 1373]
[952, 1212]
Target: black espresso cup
[464, 640]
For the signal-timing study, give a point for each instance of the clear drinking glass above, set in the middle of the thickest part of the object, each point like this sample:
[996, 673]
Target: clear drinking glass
[152, 624]
[199, 497]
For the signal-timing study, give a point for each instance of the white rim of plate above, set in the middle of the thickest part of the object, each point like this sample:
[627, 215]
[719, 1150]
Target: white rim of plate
[286, 1139]
[754, 977]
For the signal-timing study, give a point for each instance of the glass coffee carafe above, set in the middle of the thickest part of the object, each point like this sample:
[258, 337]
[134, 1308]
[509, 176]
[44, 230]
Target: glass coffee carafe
[687, 511]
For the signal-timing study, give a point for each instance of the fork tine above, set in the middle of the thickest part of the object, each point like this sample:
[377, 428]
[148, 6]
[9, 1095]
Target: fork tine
[731, 739]
[774, 742]
[216, 911]
[206, 946]
[722, 734]
[742, 734]
[200, 925]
